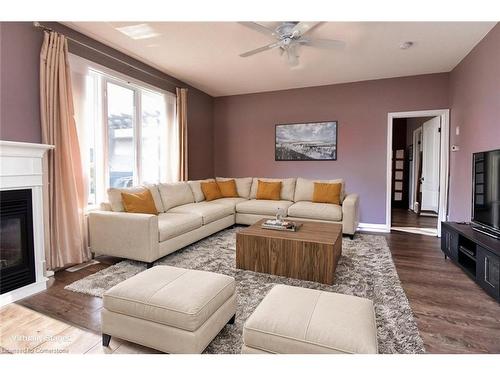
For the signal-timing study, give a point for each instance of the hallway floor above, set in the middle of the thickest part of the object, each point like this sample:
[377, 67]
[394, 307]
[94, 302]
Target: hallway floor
[402, 217]
[408, 221]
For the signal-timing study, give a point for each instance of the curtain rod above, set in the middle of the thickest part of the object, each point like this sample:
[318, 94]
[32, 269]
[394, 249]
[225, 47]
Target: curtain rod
[46, 28]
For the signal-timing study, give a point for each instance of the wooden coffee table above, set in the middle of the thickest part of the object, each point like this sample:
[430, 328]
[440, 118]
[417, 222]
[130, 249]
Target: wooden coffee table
[311, 253]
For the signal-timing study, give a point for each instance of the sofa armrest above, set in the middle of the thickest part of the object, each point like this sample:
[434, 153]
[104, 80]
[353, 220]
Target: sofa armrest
[350, 213]
[124, 235]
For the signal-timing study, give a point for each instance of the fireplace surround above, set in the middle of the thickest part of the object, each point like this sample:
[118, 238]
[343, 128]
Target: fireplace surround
[22, 258]
[17, 254]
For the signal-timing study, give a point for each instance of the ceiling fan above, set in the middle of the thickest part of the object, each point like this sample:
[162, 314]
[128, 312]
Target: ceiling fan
[289, 36]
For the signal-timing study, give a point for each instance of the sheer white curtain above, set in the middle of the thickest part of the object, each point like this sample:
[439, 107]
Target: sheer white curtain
[173, 140]
[88, 115]
[182, 128]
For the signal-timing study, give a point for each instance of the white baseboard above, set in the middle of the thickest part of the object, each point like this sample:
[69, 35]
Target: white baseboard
[367, 227]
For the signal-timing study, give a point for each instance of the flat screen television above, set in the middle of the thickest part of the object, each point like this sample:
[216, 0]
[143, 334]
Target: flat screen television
[486, 191]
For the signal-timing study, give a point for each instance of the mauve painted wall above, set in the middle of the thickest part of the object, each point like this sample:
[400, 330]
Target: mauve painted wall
[475, 108]
[19, 82]
[244, 131]
[19, 92]
[200, 135]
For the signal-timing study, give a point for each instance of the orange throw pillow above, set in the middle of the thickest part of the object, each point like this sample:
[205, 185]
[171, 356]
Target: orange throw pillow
[326, 193]
[228, 189]
[139, 203]
[210, 190]
[269, 190]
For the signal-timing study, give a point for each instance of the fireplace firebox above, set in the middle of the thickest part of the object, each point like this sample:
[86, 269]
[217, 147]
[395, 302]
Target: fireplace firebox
[17, 259]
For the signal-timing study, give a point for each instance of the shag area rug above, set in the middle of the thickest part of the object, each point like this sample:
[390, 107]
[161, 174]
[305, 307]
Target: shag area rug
[365, 270]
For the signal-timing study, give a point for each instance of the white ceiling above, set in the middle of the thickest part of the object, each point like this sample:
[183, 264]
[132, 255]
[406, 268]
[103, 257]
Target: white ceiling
[206, 54]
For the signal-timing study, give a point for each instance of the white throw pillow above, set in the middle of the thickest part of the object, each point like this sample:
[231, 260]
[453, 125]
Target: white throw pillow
[175, 194]
[287, 187]
[243, 185]
[115, 196]
[304, 189]
[196, 188]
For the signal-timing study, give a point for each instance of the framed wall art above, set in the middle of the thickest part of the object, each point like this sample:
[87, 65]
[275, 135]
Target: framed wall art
[306, 141]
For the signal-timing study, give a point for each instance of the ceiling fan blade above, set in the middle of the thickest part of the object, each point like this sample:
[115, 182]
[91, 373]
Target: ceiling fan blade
[323, 43]
[261, 49]
[303, 27]
[259, 28]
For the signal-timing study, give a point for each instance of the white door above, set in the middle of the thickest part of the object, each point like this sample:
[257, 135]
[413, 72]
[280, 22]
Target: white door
[415, 167]
[431, 141]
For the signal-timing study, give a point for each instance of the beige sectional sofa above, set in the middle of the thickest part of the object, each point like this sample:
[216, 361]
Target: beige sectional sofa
[185, 217]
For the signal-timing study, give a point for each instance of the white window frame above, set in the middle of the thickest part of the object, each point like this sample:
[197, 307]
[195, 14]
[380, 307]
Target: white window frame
[136, 169]
[101, 144]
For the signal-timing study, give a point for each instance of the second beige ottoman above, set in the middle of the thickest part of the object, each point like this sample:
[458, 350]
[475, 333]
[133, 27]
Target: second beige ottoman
[170, 309]
[302, 321]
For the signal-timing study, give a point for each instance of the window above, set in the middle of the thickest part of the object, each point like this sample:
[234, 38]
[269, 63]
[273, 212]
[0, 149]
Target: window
[123, 129]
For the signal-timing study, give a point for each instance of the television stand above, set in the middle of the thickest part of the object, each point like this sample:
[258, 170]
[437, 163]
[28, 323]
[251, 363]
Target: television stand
[488, 232]
[476, 253]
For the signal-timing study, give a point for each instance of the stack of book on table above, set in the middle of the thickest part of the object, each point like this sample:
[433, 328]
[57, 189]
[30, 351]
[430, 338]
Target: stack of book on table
[280, 225]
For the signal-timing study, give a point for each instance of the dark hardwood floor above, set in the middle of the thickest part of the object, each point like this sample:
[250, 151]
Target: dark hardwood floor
[405, 218]
[453, 314]
[81, 310]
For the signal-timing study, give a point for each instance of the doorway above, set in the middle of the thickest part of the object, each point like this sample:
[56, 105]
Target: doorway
[417, 171]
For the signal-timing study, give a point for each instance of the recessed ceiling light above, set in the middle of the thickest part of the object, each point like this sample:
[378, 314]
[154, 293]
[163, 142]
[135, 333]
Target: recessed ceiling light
[406, 45]
[140, 31]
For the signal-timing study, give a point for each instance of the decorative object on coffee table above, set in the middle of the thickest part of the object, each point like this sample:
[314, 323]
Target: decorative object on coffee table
[283, 225]
[312, 253]
[306, 141]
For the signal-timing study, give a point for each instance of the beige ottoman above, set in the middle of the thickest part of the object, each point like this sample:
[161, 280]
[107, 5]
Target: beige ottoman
[170, 309]
[302, 321]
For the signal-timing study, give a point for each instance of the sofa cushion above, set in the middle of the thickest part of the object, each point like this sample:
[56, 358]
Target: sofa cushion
[208, 211]
[173, 225]
[262, 207]
[232, 202]
[175, 194]
[228, 188]
[211, 190]
[296, 320]
[196, 189]
[139, 203]
[115, 196]
[172, 296]
[319, 211]
[269, 190]
[304, 189]
[243, 185]
[327, 193]
[287, 187]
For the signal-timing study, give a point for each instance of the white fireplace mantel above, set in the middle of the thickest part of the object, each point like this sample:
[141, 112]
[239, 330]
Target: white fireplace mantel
[21, 167]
